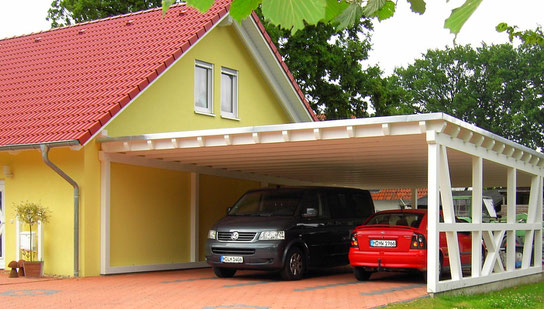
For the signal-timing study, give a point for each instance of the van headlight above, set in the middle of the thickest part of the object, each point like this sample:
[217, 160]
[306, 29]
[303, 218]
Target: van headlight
[272, 235]
[212, 234]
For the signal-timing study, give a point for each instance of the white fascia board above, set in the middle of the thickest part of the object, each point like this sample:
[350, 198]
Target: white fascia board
[272, 70]
[492, 148]
[378, 121]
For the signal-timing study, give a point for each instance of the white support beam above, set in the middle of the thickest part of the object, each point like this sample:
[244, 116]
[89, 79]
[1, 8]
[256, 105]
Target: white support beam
[105, 193]
[538, 232]
[449, 215]
[386, 129]
[477, 187]
[511, 218]
[455, 132]
[414, 198]
[478, 141]
[535, 197]
[317, 133]
[432, 212]
[493, 261]
[195, 201]
[500, 148]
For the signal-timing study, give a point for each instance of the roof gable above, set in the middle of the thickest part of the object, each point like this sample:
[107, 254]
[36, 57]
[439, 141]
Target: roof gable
[63, 85]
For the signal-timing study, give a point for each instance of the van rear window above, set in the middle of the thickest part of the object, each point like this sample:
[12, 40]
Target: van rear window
[268, 203]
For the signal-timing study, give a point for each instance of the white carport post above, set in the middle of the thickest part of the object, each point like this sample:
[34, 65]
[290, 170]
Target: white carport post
[477, 186]
[432, 211]
[534, 215]
[511, 218]
[194, 233]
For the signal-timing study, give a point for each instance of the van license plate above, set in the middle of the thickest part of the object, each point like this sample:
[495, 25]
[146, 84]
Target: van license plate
[383, 243]
[232, 259]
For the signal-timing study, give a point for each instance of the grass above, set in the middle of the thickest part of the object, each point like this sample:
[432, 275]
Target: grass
[523, 296]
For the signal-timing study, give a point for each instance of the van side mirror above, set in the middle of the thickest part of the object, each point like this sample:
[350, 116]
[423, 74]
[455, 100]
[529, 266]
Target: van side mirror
[310, 213]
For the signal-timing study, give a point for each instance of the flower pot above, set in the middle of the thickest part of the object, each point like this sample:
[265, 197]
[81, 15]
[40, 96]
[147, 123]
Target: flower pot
[33, 269]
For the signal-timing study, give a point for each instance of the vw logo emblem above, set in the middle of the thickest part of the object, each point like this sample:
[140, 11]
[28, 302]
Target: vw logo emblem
[234, 236]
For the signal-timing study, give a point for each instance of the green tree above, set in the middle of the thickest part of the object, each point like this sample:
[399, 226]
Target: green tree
[529, 37]
[326, 63]
[498, 87]
[67, 12]
[294, 14]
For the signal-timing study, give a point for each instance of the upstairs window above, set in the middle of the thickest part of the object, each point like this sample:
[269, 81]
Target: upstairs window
[203, 87]
[229, 93]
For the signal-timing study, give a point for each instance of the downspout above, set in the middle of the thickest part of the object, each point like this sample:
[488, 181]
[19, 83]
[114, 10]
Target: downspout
[45, 157]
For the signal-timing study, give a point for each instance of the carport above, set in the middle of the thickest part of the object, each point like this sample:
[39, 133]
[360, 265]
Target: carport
[435, 151]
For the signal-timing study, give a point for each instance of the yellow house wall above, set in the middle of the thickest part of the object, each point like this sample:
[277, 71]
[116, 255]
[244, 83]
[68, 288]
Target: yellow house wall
[150, 216]
[34, 181]
[216, 195]
[168, 104]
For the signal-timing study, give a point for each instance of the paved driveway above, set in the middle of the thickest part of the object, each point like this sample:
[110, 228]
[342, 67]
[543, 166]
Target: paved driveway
[199, 288]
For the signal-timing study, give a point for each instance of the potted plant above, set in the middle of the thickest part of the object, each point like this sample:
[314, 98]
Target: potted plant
[32, 213]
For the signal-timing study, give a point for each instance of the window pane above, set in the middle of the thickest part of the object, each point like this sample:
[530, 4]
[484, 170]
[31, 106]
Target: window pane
[227, 83]
[201, 87]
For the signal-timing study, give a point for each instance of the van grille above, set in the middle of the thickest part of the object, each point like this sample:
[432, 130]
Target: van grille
[233, 251]
[242, 236]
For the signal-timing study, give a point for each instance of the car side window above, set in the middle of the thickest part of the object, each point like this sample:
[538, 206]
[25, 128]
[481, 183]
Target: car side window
[338, 204]
[310, 207]
[362, 205]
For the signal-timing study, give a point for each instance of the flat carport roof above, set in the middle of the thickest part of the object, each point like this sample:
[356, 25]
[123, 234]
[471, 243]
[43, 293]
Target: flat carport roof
[435, 151]
[372, 153]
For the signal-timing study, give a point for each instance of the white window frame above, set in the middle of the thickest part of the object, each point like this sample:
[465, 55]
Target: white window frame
[209, 92]
[234, 75]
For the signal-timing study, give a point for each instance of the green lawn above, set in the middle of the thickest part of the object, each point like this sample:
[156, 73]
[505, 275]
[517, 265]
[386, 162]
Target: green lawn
[525, 296]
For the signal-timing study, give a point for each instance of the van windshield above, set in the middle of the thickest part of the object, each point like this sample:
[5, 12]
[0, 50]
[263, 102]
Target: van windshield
[267, 203]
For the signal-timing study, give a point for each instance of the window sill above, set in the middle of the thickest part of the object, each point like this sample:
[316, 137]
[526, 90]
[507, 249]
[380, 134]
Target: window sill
[205, 114]
[230, 117]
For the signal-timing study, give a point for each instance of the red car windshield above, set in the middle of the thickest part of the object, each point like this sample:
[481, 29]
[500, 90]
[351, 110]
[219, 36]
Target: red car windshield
[396, 218]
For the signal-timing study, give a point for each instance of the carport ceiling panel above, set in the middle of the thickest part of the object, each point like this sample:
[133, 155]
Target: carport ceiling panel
[344, 162]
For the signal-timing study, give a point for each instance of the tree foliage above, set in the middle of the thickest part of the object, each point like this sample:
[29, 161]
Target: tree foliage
[67, 12]
[529, 37]
[326, 63]
[295, 14]
[499, 88]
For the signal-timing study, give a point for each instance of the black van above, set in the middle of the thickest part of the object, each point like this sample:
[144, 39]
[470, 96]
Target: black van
[287, 229]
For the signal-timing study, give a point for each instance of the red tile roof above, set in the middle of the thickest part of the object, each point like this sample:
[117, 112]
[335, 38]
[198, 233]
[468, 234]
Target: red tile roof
[65, 84]
[397, 194]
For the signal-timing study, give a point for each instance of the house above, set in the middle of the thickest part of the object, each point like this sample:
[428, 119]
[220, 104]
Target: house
[130, 75]
[138, 132]
[386, 199]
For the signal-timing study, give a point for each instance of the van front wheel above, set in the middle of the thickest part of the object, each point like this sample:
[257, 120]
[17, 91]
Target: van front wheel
[295, 265]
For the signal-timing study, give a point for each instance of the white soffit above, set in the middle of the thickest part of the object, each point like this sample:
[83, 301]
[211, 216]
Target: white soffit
[373, 153]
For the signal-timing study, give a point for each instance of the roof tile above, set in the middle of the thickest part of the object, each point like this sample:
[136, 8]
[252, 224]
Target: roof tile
[66, 83]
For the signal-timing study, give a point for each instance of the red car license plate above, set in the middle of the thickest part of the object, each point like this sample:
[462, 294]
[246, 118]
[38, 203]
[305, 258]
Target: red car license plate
[383, 243]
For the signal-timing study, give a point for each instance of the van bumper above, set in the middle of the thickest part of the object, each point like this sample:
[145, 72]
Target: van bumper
[260, 255]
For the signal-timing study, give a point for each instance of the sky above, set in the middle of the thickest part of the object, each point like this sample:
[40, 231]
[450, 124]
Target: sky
[396, 41]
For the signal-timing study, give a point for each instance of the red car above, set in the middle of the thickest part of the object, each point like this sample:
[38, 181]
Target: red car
[396, 240]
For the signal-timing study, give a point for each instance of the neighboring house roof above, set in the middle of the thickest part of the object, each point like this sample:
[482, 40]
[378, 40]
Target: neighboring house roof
[397, 194]
[65, 84]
